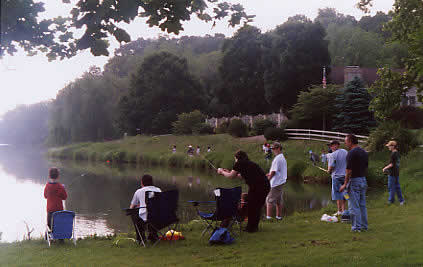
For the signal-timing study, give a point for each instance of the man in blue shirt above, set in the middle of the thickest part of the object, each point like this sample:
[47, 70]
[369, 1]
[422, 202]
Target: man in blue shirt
[337, 163]
[355, 179]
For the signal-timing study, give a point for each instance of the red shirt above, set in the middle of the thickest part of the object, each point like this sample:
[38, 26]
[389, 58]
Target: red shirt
[54, 193]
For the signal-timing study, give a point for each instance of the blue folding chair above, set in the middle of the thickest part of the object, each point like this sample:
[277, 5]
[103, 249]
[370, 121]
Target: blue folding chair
[62, 226]
[226, 211]
[161, 214]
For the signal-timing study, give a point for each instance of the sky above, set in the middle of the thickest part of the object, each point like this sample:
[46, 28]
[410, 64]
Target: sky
[28, 80]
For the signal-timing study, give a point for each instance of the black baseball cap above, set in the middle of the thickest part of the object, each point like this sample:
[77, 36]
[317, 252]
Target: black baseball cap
[334, 142]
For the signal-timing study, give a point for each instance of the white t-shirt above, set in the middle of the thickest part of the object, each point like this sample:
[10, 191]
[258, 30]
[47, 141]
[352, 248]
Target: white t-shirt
[139, 199]
[279, 166]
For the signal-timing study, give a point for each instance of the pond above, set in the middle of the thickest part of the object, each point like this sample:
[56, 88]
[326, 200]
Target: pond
[98, 192]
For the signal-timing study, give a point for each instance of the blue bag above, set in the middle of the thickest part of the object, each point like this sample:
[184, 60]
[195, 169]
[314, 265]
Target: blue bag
[221, 236]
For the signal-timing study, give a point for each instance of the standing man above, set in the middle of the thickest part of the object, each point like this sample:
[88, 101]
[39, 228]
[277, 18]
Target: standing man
[277, 177]
[393, 176]
[355, 179]
[337, 163]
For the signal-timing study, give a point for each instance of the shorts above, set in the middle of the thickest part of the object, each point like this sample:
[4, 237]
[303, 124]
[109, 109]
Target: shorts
[275, 195]
[336, 184]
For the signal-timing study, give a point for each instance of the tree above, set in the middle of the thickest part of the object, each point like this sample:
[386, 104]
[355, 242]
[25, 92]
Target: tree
[188, 122]
[376, 23]
[353, 109]
[294, 55]
[315, 107]
[241, 72]
[327, 16]
[387, 93]
[100, 19]
[161, 88]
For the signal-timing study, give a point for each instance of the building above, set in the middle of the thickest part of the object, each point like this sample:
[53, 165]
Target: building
[342, 75]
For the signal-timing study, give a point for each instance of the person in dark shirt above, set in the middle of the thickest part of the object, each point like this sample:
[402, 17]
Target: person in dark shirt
[355, 180]
[393, 173]
[258, 186]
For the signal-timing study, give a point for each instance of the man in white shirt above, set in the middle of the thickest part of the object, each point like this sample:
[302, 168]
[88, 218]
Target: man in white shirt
[277, 177]
[138, 201]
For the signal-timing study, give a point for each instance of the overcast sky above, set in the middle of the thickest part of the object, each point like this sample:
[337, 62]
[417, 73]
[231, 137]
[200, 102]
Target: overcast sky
[27, 80]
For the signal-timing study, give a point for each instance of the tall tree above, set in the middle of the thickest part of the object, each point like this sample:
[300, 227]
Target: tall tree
[241, 72]
[315, 108]
[293, 59]
[327, 16]
[161, 88]
[353, 109]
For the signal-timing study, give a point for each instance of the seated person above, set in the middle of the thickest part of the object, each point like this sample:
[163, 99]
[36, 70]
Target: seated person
[55, 193]
[138, 200]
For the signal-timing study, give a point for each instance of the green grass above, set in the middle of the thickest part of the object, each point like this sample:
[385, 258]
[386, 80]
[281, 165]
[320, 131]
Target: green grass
[395, 238]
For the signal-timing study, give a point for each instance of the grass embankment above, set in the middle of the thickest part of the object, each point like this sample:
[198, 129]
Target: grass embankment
[395, 238]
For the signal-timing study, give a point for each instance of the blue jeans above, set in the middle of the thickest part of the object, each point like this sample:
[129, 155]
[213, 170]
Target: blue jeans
[394, 187]
[357, 203]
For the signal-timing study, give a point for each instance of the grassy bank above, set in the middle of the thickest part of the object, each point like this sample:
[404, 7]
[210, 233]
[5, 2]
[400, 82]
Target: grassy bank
[395, 238]
[156, 151]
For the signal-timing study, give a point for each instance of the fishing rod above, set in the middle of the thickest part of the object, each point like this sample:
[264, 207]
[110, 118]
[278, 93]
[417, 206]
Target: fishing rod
[211, 164]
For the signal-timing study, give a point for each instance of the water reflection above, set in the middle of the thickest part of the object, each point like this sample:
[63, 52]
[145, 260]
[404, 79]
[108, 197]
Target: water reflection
[97, 193]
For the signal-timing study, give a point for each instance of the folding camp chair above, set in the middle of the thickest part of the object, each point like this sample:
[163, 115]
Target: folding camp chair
[226, 212]
[62, 226]
[161, 214]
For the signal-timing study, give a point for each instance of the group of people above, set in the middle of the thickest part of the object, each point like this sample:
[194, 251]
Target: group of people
[347, 168]
[191, 150]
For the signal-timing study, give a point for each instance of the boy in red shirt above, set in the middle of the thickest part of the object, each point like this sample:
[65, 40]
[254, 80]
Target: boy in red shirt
[54, 192]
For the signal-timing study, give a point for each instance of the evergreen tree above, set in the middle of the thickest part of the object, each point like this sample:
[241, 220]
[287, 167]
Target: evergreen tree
[353, 109]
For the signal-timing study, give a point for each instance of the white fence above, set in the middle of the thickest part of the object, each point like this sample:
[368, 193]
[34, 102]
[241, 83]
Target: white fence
[317, 135]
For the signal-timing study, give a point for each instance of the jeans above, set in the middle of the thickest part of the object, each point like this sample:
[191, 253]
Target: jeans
[394, 187]
[357, 203]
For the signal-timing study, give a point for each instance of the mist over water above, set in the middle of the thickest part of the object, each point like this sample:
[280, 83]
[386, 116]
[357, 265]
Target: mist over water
[97, 193]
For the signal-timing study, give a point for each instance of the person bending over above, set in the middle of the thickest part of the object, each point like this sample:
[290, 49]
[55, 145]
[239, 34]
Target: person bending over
[55, 193]
[138, 201]
[258, 186]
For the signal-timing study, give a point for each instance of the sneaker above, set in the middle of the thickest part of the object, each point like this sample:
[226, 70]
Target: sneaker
[268, 218]
[356, 231]
[402, 203]
[337, 213]
[279, 218]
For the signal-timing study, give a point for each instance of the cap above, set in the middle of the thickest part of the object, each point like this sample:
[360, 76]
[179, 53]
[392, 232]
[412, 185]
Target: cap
[391, 143]
[334, 142]
[276, 145]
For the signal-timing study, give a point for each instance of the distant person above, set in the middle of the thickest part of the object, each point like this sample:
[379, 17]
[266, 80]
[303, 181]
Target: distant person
[268, 155]
[393, 173]
[264, 147]
[258, 186]
[198, 150]
[337, 163]
[277, 176]
[55, 193]
[190, 151]
[323, 158]
[208, 149]
[138, 201]
[313, 157]
[174, 149]
[329, 149]
[355, 180]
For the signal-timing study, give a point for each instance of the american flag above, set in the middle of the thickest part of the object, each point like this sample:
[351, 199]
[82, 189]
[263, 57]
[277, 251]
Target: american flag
[324, 77]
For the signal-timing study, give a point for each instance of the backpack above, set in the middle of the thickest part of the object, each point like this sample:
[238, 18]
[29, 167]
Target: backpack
[221, 235]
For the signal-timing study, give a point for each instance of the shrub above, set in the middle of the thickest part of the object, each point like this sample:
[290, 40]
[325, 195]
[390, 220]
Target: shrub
[108, 156]
[275, 134]
[187, 122]
[202, 128]
[260, 126]
[177, 160]
[222, 128]
[80, 155]
[406, 139]
[296, 168]
[237, 128]
[410, 117]
[118, 156]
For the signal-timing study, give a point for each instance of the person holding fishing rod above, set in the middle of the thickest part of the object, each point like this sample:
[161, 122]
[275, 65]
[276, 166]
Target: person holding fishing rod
[337, 163]
[55, 193]
[258, 186]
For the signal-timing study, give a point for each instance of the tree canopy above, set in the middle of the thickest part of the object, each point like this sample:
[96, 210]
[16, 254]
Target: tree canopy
[20, 24]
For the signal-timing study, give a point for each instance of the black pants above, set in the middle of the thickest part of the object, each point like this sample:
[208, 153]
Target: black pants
[256, 198]
[142, 227]
[49, 216]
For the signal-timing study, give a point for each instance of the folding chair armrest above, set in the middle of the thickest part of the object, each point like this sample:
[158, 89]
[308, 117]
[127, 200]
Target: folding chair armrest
[197, 203]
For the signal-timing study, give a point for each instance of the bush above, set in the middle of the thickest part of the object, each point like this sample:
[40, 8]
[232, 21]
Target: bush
[260, 126]
[406, 139]
[275, 134]
[410, 117]
[118, 156]
[202, 128]
[187, 122]
[238, 128]
[80, 155]
[296, 168]
[222, 128]
[177, 160]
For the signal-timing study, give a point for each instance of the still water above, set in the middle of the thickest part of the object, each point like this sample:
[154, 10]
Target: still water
[97, 193]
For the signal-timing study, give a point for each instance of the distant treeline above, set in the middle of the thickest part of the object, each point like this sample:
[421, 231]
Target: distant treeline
[149, 82]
